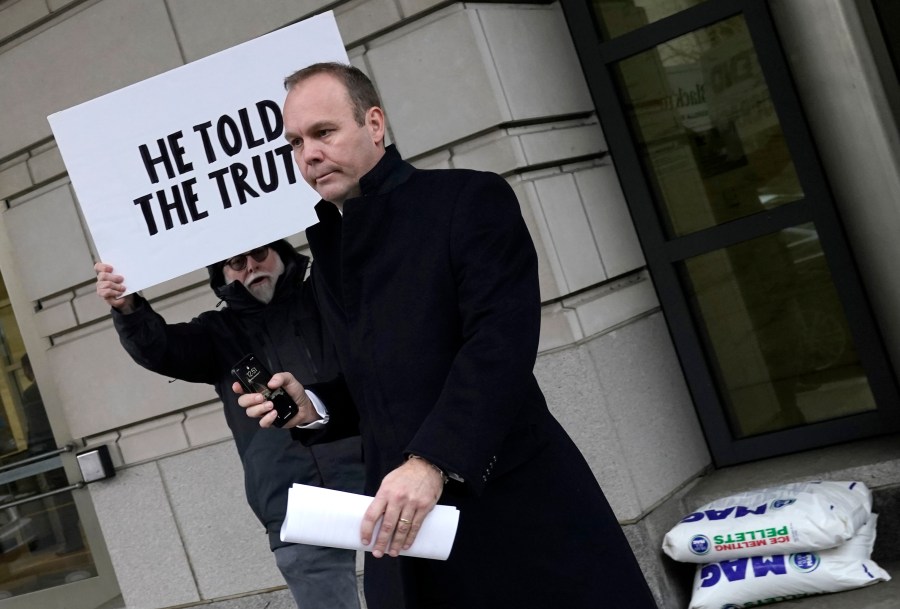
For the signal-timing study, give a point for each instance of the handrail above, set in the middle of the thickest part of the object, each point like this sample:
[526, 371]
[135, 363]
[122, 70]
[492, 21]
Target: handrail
[65, 449]
[57, 491]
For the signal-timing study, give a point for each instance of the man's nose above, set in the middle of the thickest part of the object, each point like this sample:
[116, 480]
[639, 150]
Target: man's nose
[311, 153]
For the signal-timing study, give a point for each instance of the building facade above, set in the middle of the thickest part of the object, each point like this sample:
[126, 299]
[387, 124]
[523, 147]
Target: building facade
[632, 132]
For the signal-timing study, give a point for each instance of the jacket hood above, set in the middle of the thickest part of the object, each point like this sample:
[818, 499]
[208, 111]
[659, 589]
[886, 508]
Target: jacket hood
[235, 294]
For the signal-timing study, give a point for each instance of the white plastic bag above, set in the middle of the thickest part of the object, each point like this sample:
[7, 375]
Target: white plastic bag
[801, 517]
[759, 580]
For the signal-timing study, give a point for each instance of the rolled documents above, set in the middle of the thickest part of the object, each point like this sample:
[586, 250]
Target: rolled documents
[324, 517]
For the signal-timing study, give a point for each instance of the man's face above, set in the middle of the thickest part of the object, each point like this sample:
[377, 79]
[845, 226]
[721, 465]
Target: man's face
[331, 149]
[258, 277]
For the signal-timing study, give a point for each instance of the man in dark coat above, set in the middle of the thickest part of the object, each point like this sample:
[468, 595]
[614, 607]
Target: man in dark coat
[428, 282]
[269, 314]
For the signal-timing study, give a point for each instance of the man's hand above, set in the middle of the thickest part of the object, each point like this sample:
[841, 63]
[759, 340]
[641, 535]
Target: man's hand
[258, 407]
[110, 288]
[405, 498]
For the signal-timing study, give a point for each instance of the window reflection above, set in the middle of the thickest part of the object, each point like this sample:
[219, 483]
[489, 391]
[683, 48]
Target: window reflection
[784, 353]
[706, 128]
[622, 16]
[41, 540]
[42, 543]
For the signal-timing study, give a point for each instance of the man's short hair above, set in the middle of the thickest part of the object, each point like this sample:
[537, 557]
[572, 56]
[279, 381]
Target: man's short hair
[360, 89]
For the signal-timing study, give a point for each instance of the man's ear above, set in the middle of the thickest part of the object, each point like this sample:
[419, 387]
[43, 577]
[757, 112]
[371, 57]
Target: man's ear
[375, 123]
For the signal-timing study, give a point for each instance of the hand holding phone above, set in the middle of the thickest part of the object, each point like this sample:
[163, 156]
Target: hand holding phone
[254, 378]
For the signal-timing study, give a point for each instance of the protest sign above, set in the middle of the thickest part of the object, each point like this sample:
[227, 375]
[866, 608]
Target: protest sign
[190, 167]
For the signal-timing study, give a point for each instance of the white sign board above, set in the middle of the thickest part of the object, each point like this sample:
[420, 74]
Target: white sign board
[190, 167]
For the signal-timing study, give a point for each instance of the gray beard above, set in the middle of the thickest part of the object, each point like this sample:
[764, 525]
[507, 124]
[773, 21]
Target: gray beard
[263, 292]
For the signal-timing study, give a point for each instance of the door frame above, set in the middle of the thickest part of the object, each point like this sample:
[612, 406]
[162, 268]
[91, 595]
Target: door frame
[664, 253]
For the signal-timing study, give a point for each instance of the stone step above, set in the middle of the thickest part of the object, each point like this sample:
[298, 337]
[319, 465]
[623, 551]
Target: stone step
[886, 503]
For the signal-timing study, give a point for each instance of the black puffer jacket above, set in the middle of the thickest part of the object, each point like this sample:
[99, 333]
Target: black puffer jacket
[285, 334]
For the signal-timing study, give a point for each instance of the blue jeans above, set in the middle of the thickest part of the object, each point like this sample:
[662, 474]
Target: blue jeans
[319, 578]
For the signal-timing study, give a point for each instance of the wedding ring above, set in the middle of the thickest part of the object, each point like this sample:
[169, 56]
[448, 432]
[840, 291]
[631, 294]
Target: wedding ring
[405, 521]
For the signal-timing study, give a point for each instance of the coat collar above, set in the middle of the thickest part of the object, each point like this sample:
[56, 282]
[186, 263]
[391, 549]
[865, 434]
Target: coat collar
[390, 172]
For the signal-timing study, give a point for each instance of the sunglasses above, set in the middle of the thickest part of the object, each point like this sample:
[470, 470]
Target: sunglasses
[239, 262]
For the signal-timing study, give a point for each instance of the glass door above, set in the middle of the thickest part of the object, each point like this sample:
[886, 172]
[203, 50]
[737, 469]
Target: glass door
[45, 551]
[737, 224]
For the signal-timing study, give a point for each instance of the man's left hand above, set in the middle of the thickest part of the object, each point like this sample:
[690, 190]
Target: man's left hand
[405, 498]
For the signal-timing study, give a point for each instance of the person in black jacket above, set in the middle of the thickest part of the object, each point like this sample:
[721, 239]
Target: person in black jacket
[428, 282]
[269, 314]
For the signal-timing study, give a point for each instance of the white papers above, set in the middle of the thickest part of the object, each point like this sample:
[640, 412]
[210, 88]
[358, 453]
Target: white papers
[323, 517]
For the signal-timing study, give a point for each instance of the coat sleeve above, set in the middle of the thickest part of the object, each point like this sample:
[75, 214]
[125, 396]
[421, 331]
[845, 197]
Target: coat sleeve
[184, 351]
[490, 403]
[343, 416]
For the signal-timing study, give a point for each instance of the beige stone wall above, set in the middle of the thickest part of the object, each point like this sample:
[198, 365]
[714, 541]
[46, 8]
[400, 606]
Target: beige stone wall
[487, 86]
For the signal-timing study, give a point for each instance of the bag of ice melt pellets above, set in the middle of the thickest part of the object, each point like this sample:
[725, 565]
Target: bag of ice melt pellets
[760, 580]
[800, 517]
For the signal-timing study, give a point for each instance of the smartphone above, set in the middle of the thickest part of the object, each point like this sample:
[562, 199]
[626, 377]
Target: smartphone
[254, 378]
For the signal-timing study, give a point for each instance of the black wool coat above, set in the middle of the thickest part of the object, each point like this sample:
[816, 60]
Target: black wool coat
[428, 283]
